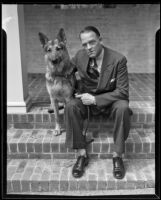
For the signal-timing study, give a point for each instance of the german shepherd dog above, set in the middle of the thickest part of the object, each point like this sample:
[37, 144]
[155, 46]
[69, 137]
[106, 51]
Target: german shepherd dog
[60, 76]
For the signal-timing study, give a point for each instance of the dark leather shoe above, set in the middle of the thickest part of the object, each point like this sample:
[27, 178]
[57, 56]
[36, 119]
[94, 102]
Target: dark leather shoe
[79, 166]
[118, 168]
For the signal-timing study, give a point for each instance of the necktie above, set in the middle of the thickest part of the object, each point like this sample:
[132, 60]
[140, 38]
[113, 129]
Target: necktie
[92, 69]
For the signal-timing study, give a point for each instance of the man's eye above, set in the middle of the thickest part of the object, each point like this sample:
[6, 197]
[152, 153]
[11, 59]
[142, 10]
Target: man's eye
[92, 42]
[58, 48]
[84, 45]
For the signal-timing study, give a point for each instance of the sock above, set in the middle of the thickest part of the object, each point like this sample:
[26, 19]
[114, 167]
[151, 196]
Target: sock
[82, 152]
[117, 155]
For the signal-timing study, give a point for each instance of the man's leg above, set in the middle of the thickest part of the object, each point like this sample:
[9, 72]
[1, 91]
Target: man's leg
[121, 116]
[75, 114]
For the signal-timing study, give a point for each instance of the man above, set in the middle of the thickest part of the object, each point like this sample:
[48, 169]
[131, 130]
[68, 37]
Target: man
[104, 89]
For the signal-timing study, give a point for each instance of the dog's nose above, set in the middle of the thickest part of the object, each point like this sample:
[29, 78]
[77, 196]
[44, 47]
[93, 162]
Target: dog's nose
[55, 61]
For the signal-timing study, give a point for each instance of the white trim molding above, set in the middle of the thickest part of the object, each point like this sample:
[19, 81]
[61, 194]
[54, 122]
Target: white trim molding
[19, 107]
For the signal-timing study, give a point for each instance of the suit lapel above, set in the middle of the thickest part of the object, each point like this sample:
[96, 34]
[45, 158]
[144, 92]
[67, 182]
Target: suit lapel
[107, 65]
[106, 60]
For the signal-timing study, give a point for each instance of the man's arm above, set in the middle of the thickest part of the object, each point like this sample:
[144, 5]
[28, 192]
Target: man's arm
[122, 87]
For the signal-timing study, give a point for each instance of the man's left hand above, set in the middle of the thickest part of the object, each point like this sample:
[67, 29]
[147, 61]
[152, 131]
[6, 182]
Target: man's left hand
[87, 99]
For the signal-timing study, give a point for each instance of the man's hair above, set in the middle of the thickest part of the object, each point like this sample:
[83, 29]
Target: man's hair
[90, 28]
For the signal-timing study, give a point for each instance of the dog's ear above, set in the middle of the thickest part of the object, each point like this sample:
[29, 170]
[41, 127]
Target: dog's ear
[61, 36]
[43, 39]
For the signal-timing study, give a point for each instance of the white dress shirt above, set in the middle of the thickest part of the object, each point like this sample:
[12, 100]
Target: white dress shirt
[99, 60]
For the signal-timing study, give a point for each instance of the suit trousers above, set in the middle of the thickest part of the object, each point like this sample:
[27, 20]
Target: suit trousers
[76, 112]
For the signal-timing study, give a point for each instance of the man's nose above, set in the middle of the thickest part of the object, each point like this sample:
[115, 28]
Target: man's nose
[88, 46]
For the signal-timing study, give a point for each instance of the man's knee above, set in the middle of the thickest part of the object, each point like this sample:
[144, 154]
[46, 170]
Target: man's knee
[75, 106]
[122, 107]
[73, 103]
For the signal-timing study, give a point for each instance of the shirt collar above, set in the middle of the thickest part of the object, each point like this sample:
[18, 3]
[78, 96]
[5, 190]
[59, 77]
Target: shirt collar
[100, 57]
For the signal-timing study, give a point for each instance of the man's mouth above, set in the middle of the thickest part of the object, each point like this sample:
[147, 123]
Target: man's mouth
[90, 52]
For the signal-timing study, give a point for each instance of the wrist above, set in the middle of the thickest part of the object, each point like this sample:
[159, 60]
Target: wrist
[94, 101]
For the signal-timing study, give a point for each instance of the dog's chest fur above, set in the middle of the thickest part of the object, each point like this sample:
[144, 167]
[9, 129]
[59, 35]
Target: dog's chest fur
[61, 87]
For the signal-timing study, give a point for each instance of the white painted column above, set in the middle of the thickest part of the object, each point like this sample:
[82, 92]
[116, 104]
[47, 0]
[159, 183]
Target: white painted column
[17, 86]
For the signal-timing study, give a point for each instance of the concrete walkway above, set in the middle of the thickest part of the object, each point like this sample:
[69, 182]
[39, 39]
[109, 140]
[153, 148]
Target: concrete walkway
[97, 193]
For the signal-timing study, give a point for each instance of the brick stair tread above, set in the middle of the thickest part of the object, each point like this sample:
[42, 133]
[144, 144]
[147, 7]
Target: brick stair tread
[46, 175]
[42, 143]
[38, 116]
[136, 106]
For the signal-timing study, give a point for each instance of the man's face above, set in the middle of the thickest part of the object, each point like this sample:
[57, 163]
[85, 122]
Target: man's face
[91, 43]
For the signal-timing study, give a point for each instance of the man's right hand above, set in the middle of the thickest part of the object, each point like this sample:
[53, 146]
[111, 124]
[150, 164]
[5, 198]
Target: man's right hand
[86, 98]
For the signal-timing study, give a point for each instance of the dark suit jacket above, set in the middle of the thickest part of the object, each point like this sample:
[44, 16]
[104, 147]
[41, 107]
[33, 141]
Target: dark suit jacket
[113, 82]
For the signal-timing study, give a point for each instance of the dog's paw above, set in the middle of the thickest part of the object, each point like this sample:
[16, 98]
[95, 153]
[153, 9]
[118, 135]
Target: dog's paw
[57, 132]
[50, 110]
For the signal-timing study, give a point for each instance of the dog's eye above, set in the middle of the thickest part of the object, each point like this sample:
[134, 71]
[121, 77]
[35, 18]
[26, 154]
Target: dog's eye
[48, 50]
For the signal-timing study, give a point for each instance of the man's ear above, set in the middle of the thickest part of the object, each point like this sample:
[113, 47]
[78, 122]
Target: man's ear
[61, 36]
[100, 39]
[43, 39]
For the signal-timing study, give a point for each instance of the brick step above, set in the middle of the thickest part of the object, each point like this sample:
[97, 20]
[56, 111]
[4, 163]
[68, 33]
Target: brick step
[41, 143]
[40, 118]
[47, 175]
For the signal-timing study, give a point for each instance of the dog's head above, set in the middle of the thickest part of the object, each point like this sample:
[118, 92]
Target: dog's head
[55, 50]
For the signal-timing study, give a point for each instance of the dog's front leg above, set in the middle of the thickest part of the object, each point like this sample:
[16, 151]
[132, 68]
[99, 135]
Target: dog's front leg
[54, 103]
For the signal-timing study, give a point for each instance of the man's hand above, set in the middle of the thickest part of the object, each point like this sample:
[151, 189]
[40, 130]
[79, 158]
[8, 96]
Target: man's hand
[87, 99]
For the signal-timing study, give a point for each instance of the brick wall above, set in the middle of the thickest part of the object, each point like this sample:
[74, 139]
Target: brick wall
[128, 29]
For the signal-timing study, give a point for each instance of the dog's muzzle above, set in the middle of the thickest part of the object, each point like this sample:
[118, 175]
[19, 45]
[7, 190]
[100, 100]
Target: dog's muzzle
[56, 61]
